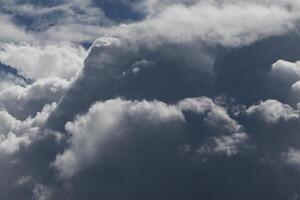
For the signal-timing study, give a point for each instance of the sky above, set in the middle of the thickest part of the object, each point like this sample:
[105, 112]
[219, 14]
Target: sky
[150, 99]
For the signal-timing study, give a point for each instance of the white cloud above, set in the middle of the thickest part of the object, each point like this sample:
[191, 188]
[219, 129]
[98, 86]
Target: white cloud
[228, 23]
[113, 120]
[272, 111]
[35, 61]
[11, 32]
[72, 20]
[296, 87]
[287, 71]
[217, 116]
[23, 101]
[15, 133]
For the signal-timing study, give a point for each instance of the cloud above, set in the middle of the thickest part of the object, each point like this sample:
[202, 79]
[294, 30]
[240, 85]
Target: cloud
[296, 87]
[272, 111]
[70, 19]
[145, 107]
[32, 98]
[107, 123]
[215, 115]
[227, 144]
[15, 134]
[289, 72]
[7, 80]
[286, 71]
[80, 21]
[11, 32]
[207, 21]
[34, 61]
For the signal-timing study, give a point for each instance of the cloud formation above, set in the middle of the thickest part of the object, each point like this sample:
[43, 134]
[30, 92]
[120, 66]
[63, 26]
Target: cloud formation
[117, 121]
[272, 111]
[181, 99]
[16, 133]
[35, 61]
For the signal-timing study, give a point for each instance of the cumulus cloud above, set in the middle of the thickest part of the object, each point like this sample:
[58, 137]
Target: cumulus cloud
[207, 21]
[215, 115]
[31, 98]
[35, 61]
[272, 111]
[135, 120]
[106, 76]
[289, 72]
[296, 87]
[56, 21]
[15, 133]
[286, 71]
[108, 122]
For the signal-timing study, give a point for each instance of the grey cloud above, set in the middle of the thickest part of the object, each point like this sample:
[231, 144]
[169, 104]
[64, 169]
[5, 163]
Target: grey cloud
[106, 123]
[134, 124]
[227, 144]
[110, 58]
[292, 157]
[115, 120]
[287, 71]
[272, 111]
[215, 115]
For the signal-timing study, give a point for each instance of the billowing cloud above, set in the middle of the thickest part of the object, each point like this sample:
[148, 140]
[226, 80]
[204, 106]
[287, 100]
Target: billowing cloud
[35, 61]
[115, 119]
[272, 111]
[216, 116]
[207, 21]
[15, 133]
[287, 71]
[107, 123]
[176, 99]
[31, 98]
